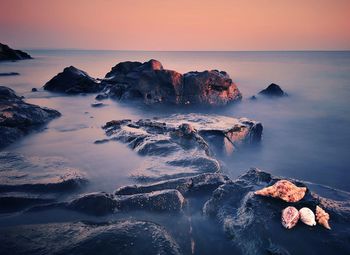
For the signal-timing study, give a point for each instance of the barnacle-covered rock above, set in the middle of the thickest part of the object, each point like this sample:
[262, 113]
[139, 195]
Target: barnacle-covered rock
[322, 217]
[290, 217]
[307, 216]
[284, 190]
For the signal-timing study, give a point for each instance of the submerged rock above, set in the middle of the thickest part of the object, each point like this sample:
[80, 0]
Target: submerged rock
[73, 81]
[186, 185]
[153, 84]
[183, 144]
[6, 53]
[9, 74]
[273, 90]
[27, 181]
[120, 237]
[253, 222]
[101, 203]
[17, 117]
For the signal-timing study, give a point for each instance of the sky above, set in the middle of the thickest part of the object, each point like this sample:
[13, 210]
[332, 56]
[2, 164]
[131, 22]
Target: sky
[176, 24]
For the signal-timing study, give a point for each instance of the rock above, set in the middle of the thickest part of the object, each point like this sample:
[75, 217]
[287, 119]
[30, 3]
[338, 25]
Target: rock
[98, 203]
[96, 105]
[6, 53]
[119, 237]
[253, 222]
[101, 203]
[169, 200]
[18, 118]
[183, 144]
[73, 81]
[153, 84]
[34, 89]
[27, 181]
[186, 185]
[253, 98]
[273, 90]
[9, 74]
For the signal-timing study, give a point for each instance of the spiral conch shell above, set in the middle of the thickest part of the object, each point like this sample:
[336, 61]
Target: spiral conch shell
[290, 217]
[284, 190]
[307, 216]
[322, 217]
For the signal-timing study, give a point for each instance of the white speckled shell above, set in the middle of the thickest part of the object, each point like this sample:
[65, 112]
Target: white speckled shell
[307, 216]
[290, 217]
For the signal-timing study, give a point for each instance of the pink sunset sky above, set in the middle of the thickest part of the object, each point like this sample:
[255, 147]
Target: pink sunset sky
[176, 24]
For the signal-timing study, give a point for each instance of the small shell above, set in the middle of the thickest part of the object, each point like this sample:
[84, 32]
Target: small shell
[284, 190]
[322, 217]
[307, 216]
[290, 217]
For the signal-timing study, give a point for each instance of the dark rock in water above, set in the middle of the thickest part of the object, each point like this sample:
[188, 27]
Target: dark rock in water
[102, 96]
[120, 237]
[253, 98]
[73, 81]
[17, 201]
[273, 90]
[153, 84]
[100, 203]
[184, 143]
[168, 200]
[96, 105]
[34, 89]
[17, 118]
[9, 74]
[27, 181]
[186, 185]
[6, 53]
[254, 223]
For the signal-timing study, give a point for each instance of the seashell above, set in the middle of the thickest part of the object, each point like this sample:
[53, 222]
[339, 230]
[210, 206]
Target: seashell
[322, 217]
[290, 217]
[284, 190]
[307, 216]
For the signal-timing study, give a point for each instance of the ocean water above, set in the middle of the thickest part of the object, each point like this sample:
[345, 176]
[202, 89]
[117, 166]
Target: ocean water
[306, 135]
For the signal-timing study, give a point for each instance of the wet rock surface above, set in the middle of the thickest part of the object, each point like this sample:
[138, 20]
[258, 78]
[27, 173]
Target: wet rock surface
[18, 118]
[153, 84]
[273, 90]
[120, 237]
[183, 144]
[202, 183]
[27, 181]
[253, 223]
[73, 81]
[6, 53]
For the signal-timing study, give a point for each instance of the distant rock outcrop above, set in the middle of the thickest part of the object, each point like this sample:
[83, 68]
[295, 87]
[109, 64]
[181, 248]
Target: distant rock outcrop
[153, 84]
[273, 90]
[18, 117]
[6, 53]
[73, 81]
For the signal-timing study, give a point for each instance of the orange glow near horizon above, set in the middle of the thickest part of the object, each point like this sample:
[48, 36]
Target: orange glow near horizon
[177, 25]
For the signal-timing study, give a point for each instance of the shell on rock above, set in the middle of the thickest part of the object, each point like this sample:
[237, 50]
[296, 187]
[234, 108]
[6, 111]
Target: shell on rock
[290, 217]
[322, 217]
[307, 216]
[284, 190]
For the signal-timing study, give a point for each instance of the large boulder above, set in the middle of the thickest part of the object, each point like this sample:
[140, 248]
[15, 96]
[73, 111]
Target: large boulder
[17, 117]
[253, 222]
[6, 53]
[73, 81]
[273, 90]
[153, 84]
[183, 144]
[120, 237]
